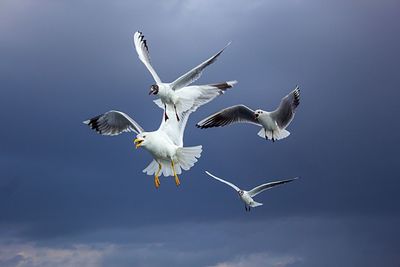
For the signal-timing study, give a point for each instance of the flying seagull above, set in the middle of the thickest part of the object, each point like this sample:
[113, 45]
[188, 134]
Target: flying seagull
[179, 94]
[247, 196]
[164, 144]
[273, 123]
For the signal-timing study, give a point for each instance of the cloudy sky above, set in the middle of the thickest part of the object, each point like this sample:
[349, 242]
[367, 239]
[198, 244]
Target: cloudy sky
[70, 197]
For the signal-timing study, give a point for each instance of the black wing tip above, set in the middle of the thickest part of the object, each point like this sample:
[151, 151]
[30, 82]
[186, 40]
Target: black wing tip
[142, 40]
[93, 124]
[205, 125]
[201, 126]
[223, 86]
[296, 95]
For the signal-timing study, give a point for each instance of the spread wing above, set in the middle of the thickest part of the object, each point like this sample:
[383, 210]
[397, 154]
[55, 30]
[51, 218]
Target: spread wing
[223, 181]
[195, 73]
[234, 114]
[143, 53]
[257, 190]
[113, 123]
[284, 114]
[174, 128]
[194, 96]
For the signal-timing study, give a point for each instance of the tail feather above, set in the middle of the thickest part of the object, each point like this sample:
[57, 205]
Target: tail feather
[186, 158]
[151, 168]
[166, 168]
[256, 204]
[277, 134]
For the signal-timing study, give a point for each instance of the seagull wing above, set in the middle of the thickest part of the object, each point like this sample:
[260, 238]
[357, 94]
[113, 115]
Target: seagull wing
[284, 114]
[143, 53]
[113, 123]
[195, 96]
[234, 114]
[173, 128]
[223, 181]
[195, 73]
[257, 190]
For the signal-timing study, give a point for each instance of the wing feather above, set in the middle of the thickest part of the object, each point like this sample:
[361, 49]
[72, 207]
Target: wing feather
[195, 73]
[113, 123]
[172, 127]
[223, 181]
[234, 114]
[284, 114]
[143, 52]
[257, 190]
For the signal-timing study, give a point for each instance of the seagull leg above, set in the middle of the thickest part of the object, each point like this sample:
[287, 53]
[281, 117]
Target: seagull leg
[273, 139]
[176, 113]
[266, 137]
[165, 112]
[177, 182]
[156, 180]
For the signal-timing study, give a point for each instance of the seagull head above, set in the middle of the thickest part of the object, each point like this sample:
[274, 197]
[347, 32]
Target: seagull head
[154, 89]
[140, 140]
[240, 192]
[257, 113]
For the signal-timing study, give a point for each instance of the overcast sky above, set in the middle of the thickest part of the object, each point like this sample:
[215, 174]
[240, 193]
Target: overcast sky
[70, 197]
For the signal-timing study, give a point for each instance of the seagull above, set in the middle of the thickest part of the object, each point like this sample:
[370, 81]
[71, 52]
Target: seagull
[164, 144]
[273, 123]
[179, 94]
[247, 196]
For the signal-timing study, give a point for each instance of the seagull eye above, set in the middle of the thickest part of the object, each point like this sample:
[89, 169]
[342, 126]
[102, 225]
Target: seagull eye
[144, 136]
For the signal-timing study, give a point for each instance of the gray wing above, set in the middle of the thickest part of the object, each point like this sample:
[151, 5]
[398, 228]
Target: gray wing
[257, 190]
[234, 114]
[284, 114]
[143, 53]
[113, 123]
[194, 73]
[223, 181]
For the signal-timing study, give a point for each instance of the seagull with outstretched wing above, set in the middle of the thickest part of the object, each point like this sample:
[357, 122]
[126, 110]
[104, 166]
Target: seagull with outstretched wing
[247, 196]
[178, 94]
[164, 144]
[273, 123]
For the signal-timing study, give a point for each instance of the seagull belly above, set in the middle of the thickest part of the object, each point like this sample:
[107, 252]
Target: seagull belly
[246, 198]
[167, 95]
[267, 122]
[162, 148]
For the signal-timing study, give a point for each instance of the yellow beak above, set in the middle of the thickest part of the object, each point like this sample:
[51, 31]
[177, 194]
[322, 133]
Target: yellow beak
[138, 142]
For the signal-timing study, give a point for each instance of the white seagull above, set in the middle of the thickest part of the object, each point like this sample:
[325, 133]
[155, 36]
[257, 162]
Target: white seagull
[273, 123]
[247, 196]
[179, 94]
[164, 144]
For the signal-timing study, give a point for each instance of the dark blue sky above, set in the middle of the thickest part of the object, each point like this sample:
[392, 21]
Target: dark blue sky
[70, 197]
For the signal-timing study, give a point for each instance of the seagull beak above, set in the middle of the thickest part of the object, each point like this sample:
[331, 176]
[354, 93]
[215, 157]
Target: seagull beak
[138, 142]
[256, 115]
